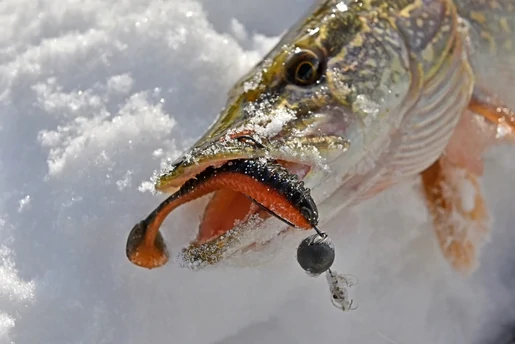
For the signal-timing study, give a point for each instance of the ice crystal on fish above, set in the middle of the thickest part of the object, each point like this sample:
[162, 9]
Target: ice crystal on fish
[365, 105]
[253, 83]
[342, 7]
[252, 237]
[503, 130]
[264, 119]
[201, 257]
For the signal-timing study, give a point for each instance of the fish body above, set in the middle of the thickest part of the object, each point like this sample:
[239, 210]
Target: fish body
[360, 95]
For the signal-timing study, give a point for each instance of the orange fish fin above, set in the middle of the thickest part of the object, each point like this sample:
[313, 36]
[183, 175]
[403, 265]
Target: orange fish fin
[494, 111]
[460, 219]
[485, 123]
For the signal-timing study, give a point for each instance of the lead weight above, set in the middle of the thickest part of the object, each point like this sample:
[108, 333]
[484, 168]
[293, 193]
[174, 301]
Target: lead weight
[315, 254]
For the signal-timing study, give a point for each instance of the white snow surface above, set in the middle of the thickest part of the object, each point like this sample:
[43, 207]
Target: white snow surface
[94, 96]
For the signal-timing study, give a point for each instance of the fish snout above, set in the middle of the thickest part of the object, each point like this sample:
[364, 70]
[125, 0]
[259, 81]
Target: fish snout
[212, 153]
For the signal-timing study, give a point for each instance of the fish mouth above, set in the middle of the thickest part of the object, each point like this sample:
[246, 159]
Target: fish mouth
[225, 222]
[233, 220]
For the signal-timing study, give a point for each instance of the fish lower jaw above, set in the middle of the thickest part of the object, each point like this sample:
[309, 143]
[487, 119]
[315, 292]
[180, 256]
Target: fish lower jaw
[251, 243]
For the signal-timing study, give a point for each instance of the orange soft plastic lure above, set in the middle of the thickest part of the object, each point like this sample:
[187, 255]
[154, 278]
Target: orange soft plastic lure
[267, 183]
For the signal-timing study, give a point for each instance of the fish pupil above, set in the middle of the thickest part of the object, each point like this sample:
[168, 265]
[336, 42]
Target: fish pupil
[305, 72]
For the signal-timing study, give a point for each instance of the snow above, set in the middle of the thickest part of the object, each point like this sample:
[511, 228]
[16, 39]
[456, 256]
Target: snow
[95, 96]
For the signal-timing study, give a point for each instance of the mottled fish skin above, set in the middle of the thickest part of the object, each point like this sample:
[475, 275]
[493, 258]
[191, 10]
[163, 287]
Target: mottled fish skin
[492, 44]
[395, 78]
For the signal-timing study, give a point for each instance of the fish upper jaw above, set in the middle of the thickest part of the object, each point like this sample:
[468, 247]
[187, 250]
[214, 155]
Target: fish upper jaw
[309, 148]
[215, 154]
[199, 157]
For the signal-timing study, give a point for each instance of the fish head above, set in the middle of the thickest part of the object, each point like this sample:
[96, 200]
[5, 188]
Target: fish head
[317, 103]
[330, 82]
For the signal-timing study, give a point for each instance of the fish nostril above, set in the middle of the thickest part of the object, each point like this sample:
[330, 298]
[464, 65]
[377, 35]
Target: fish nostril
[249, 139]
[178, 162]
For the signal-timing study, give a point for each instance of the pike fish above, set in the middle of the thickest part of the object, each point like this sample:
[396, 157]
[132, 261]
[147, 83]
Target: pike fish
[358, 96]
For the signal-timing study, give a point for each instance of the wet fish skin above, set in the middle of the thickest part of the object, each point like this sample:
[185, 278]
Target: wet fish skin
[396, 77]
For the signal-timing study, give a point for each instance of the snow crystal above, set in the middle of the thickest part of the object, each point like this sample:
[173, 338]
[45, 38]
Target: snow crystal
[95, 96]
[121, 84]
[125, 182]
[23, 203]
[158, 152]
[12, 287]
[238, 30]
[6, 323]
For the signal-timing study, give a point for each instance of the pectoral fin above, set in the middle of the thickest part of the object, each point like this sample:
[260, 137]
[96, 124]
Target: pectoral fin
[496, 112]
[460, 218]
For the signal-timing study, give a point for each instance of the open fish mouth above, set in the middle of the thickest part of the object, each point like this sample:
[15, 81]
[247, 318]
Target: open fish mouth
[245, 192]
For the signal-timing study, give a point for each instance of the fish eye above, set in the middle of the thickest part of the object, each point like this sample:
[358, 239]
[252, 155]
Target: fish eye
[303, 68]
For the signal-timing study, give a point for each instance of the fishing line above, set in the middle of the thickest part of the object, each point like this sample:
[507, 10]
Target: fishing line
[272, 213]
